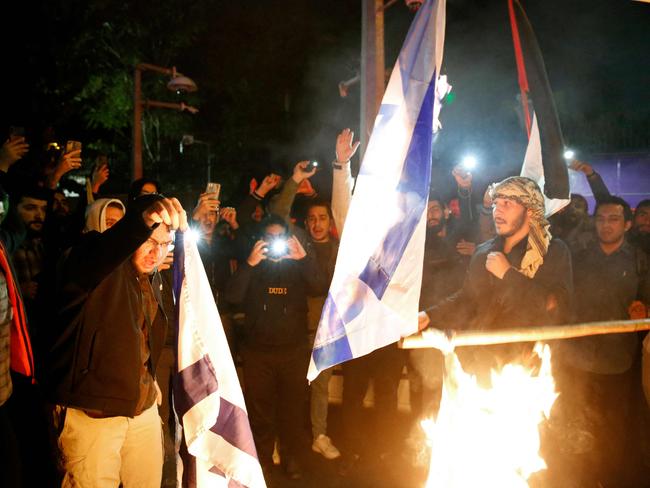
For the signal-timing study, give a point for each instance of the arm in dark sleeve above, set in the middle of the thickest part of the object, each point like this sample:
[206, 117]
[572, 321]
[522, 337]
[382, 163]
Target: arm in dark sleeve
[458, 309]
[551, 290]
[598, 186]
[237, 286]
[281, 203]
[245, 210]
[96, 256]
[314, 275]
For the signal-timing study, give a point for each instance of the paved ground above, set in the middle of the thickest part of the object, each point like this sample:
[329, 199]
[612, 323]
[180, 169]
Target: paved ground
[372, 470]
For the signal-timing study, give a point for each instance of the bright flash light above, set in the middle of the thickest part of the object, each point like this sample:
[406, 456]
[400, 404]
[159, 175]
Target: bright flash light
[279, 247]
[469, 162]
[191, 235]
[569, 154]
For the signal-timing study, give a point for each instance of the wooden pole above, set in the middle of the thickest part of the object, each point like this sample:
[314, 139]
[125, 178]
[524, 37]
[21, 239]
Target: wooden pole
[372, 66]
[448, 340]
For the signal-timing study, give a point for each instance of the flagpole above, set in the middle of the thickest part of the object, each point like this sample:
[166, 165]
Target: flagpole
[448, 340]
[372, 67]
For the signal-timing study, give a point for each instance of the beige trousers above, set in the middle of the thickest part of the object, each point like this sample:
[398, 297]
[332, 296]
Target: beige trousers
[101, 453]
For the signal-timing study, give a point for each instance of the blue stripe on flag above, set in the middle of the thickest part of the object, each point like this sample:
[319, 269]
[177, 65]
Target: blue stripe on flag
[414, 188]
[232, 425]
[409, 56]
[333, 326]
[194, 383]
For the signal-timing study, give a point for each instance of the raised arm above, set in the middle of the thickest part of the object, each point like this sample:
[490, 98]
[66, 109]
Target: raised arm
[342, 182]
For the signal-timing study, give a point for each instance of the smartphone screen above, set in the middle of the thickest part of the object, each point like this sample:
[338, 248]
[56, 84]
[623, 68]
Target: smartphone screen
[72, 146]
[213, 188]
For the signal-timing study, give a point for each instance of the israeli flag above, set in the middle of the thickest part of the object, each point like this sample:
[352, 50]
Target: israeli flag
[207, 396]
[373, 297]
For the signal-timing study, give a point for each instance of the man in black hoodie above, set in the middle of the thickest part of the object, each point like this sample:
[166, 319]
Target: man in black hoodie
[273, 284]
[104, 345]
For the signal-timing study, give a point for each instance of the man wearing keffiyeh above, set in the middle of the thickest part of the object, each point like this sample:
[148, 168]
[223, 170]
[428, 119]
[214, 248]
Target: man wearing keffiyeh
[522, 277]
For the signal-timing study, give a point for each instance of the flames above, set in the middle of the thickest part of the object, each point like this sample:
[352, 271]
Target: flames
[490, 437]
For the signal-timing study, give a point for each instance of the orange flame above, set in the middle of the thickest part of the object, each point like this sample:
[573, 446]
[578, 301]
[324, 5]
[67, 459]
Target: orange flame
[490, 437]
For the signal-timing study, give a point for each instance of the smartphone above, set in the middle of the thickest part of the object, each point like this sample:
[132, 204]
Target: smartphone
[16, 132]
[212, 187]
[310, 166]
[277, 247]
[72, 146]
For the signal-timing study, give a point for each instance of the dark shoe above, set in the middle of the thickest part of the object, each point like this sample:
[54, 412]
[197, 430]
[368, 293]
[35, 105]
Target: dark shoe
[348, 463]
[292, 469]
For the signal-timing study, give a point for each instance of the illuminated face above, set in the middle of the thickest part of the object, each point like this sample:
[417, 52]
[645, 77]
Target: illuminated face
[112, 215]
[258, 214]
[642, 220]
[318, 224]
[610, 224]
[32, 213]
[509, 216]
[208, 222]
[60, 205]
[435, 214]
[148, 188]
[153, 251]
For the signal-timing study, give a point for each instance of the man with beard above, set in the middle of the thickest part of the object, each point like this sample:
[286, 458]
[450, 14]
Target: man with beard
[443, 273]
[522, 277]
[639, 235]
[599, 375]
[31, 208]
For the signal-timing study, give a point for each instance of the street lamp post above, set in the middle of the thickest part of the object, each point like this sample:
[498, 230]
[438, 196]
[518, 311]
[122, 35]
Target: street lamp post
[178, 83]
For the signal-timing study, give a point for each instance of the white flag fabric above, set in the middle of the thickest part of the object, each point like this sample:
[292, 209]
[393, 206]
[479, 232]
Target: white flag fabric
[207, 396]
[373, 297]
[534, 169]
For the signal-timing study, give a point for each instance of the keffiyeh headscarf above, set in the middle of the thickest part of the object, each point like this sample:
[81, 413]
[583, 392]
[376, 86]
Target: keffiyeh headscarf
[526, 192]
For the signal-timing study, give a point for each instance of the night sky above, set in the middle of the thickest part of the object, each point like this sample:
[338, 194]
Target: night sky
[268, 72]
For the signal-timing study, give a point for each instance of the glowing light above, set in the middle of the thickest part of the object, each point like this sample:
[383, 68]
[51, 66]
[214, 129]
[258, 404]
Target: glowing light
[569, 154]
[192, 235]
[469, 162]
[490, 437]
[279, 247]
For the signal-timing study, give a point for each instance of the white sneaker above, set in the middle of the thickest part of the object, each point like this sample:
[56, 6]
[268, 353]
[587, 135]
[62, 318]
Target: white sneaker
[323, 445]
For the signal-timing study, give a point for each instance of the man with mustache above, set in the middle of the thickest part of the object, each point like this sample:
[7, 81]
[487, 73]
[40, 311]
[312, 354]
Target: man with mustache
[599, 375]
[104, 344]
[639, 234]
[31, 208]
[522, 277]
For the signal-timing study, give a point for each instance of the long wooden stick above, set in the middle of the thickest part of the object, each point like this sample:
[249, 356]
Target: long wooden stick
[450, 339]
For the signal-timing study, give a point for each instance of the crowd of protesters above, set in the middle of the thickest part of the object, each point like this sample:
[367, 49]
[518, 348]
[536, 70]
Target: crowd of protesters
[87, 341]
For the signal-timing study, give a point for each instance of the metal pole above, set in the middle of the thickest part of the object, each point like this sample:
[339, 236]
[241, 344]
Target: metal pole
[372, 66]
[136, 168]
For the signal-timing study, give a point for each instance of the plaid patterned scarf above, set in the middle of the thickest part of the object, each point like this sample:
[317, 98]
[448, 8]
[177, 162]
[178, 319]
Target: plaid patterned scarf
[526, 192]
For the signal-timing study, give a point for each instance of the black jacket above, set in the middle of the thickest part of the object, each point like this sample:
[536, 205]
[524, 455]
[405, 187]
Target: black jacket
[274, 295]
[486, 302]
[93, 360]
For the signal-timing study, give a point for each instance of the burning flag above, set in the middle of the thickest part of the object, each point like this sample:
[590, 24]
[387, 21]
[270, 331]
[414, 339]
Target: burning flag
[373, 298]
[207, 397]
[544, 160]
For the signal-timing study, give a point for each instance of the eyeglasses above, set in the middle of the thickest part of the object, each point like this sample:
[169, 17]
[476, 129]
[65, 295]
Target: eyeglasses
[151, 244]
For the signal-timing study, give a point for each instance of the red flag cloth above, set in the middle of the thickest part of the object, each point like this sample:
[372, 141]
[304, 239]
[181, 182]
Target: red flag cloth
[22, 359]
[521, 67]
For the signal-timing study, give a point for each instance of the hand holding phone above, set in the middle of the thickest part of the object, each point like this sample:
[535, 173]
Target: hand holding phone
[72, 146]
[311, 165]
[214, 189]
